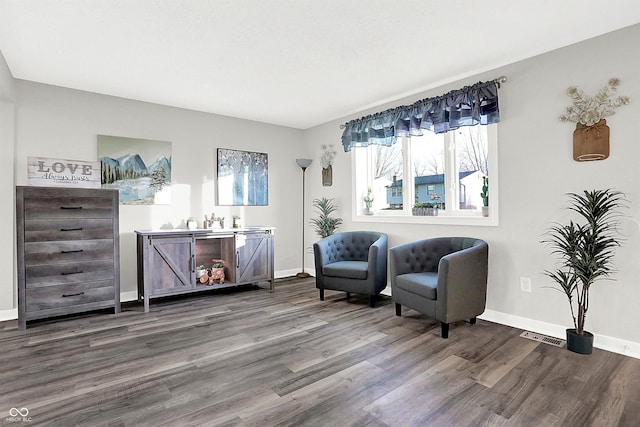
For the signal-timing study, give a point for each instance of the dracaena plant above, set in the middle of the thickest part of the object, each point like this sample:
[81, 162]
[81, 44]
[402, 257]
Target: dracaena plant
[585, 247]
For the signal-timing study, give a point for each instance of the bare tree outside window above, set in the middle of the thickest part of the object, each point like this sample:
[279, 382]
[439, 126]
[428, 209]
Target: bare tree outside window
[472, 150]
[387, 161]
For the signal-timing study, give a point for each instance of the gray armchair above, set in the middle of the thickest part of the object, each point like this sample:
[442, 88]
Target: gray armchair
[352, 261]
[444, 278]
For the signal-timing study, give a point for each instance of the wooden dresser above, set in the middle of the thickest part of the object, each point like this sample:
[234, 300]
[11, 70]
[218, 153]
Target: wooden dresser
[67, 251]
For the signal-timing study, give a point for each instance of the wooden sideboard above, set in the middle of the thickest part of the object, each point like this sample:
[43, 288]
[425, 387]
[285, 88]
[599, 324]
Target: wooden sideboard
[68, 252]
[167, 259]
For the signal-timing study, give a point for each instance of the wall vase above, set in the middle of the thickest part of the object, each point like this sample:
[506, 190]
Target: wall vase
[591, 142]
[327, 176]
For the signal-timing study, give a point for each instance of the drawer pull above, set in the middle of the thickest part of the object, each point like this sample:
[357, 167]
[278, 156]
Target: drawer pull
[71, 272]
[71, 229]
[72, 252]
[70, 207]
[77, 294]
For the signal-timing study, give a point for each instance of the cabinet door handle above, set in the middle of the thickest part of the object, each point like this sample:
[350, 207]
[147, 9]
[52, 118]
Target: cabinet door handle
[70, 207]
[72, 252]
[71, 272]
[193, 263]
[72, 295]
[71, 229]
[237, 259]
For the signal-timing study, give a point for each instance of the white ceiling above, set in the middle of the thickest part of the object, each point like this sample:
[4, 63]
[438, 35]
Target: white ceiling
[296, 63]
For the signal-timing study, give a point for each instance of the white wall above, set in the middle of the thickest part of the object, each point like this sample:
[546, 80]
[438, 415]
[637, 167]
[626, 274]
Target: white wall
[63, 123]
[536, 169]
[7, 209]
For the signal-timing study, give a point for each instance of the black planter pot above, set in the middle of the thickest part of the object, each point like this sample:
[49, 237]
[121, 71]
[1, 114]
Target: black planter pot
[582, 344]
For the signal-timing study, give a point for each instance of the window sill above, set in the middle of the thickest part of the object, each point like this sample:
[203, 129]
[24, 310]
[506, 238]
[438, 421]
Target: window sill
[477, 221]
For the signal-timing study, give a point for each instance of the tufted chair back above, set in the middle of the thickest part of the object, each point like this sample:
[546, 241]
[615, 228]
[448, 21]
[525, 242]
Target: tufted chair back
[348, 246]
[425, 255]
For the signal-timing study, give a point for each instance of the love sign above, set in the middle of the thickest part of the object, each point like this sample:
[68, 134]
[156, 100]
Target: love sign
[46, 172]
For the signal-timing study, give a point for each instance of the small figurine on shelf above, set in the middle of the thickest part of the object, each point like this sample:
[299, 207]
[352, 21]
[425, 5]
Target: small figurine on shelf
[217, 272]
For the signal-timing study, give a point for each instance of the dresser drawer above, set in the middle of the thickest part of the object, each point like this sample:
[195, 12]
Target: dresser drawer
[67, 229]
[61, 274]
[52, 297]
[38, 253]
[67, 207]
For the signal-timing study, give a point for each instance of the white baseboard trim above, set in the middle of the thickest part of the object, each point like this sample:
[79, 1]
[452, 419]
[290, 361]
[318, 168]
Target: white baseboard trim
[604, 342]
[128, 296]
[10, 314]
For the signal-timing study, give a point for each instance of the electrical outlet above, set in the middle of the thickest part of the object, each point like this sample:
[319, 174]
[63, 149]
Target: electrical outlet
[309, 249]
[525, 284]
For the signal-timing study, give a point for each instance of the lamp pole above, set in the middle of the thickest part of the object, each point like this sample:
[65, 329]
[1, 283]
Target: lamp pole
[304, 164]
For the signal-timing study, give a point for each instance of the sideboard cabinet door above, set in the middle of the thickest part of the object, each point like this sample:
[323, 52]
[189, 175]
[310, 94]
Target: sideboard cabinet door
[254, 257]
[171, 265]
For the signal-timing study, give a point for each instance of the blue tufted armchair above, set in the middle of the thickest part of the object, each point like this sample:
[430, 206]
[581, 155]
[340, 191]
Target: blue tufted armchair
[352, 261]
[444, 278]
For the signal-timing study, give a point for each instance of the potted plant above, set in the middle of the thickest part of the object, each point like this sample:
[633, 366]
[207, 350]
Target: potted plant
[425, 209]
[368, 202]
[586, 250]
[192, 224]
[200, 270]
[485, 196]
[325, 225]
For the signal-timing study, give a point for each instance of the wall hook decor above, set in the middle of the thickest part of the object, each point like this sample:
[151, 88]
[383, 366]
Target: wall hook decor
[591, 137]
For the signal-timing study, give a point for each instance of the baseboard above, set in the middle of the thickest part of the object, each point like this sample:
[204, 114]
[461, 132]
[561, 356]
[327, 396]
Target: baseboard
[604, 342]
[10, 314]
[128, 296]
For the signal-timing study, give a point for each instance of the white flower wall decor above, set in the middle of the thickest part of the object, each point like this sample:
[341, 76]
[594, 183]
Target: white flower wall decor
[590, 110]
[326, 160]
[591, 137]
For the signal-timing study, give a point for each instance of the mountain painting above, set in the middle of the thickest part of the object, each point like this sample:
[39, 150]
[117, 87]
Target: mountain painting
[140, 169]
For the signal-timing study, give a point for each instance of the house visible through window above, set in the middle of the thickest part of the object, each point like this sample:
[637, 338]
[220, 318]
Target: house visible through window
[446, 172]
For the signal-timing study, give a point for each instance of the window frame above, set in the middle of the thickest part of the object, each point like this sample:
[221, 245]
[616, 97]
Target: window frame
[461, 217]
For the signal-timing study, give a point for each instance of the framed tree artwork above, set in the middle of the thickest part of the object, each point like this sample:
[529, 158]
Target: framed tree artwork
[242, 178]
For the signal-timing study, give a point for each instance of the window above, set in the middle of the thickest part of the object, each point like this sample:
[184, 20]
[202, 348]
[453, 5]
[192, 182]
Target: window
[447, 173]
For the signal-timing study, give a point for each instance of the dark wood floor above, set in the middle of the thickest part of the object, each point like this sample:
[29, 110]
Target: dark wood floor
[256, 358]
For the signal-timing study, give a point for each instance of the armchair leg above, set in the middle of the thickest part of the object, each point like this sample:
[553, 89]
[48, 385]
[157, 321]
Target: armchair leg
[472, 320]
[348, 295]
[321, 294]
[445, 329]
[372, 301]
[398, 310]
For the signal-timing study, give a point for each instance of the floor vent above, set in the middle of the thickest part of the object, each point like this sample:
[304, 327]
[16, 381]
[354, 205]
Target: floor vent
[543, 338]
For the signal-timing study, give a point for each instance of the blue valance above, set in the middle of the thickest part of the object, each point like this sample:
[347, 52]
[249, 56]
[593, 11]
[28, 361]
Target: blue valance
[469, 106]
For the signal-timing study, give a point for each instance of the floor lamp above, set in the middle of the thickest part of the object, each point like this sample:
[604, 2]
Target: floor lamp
[304, 164]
